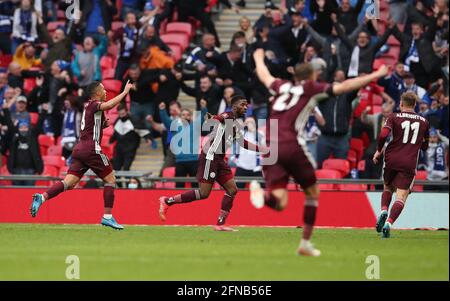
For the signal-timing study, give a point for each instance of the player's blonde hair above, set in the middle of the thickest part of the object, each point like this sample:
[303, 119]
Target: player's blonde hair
[303, 71]
[409, 99]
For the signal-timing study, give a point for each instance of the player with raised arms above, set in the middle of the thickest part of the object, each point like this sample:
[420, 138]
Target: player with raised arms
[409, 133]
[212, 166]
[291, 107]
[87, 154]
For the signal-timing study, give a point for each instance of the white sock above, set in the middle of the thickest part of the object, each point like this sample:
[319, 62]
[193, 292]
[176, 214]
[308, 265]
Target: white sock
[304, 243]
[107, 216]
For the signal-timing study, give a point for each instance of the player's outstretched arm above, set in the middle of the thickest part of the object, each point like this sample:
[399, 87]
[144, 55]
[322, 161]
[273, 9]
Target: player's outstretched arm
[261, 69]
[116, 100]
[359, 82]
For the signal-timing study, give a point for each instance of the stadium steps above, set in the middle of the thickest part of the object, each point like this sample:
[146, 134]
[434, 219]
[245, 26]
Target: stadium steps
[228, 21]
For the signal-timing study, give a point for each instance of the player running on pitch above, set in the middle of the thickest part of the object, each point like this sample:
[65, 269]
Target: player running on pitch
[409, 134]
[212, 166]
[291, 107]
[88, 154]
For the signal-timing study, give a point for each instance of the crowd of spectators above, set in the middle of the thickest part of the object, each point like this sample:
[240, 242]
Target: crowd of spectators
[340, 38]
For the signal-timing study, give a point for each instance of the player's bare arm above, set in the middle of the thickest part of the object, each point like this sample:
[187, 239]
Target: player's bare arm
[385, 132]
[262, 71]
[105, 106]
[359, 82]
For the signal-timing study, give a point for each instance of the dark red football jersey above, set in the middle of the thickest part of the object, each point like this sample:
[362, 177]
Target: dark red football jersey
[224, 134]
[92, 126]
[408, 132]
[292, 107]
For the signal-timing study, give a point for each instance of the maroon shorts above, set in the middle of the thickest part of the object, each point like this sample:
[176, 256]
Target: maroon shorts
[292, 161]
[399, 179]
[210, 171]
[84, 160]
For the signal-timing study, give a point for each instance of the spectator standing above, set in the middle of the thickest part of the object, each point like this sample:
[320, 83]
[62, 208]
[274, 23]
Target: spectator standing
[86, 64]
[70, 131]
[25, 56]
[6, 25]
[128, 133]
[97, 13]
[436, 156]
[348, 15]
[248, 163]
[141, 95]
[417, 53]
[185, 132]
[24, 157]
[59, 44]
[207, 91]
[337, 111]
[128, 36]
[24, 24]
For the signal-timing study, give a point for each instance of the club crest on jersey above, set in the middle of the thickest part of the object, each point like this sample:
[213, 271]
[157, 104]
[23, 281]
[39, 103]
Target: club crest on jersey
[212, 175]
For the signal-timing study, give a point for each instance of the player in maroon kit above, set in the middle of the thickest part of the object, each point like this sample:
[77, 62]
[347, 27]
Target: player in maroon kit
[212, 165]
[409, 134]
[291, 107]
[88, 154]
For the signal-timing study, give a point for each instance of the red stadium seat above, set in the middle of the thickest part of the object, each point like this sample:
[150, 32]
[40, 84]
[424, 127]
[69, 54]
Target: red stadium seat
[180, 27]
[112, 85]
[29, 84]
[358, 146]
[116, 25]
[4, 172]
[176, 38]
[341, 165]
[177, 51]
[107, 62]
[352, 157]
[420, 175]
[377, 100]
[54, 150]
[5, 60]
[34, 117]
[49, 171]
[168, 172]
[376, 109]
[361, 165]
[392, 41]
[327, 174]
[108, 73]
[45, 142]
[56, 161]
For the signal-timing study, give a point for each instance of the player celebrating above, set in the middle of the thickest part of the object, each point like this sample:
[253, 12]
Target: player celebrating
[291, 107]
[212, 165]
[87, 154]
[409, 134]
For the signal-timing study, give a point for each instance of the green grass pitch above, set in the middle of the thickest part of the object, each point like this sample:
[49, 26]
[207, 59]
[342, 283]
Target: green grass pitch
[38, 252]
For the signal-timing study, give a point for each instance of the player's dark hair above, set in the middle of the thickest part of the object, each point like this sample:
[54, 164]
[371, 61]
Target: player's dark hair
[409, 99]
[303, 71]
[91, 89]
[237, 97]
